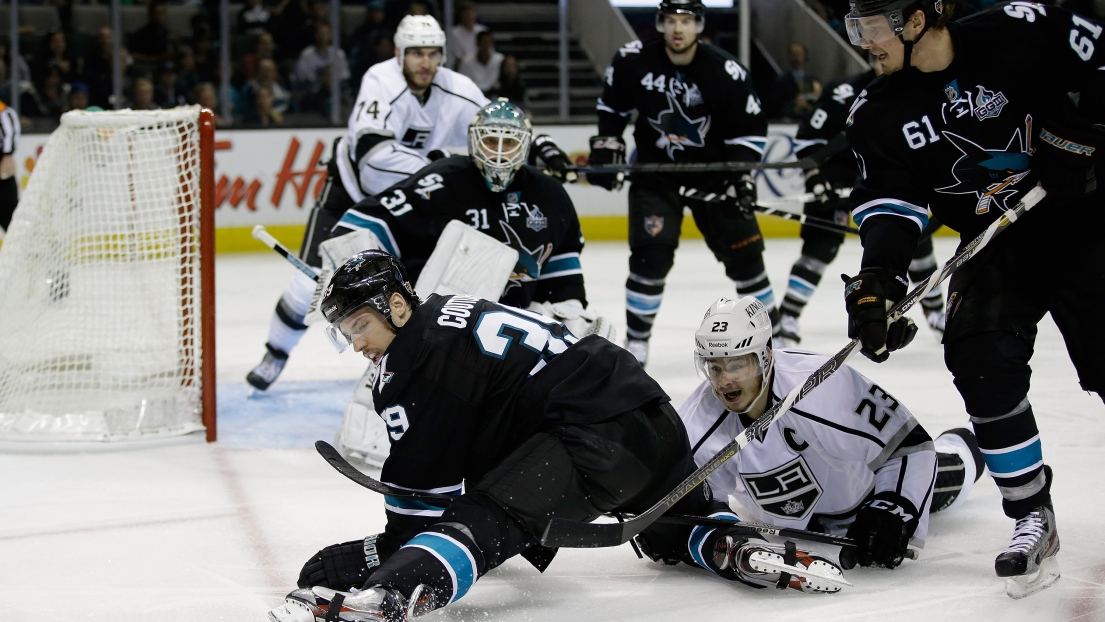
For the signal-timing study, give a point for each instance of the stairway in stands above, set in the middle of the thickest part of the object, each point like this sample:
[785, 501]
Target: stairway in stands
[530, 32]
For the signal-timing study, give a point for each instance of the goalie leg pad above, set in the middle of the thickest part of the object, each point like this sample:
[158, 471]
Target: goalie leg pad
[466, 261]
[364, 436]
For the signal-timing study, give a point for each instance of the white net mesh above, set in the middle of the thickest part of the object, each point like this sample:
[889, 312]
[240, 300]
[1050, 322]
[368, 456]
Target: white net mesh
[100, 283]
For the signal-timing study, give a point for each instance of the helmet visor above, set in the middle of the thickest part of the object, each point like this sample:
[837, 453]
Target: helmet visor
[870, 30]
[344, 331]
[737, 368]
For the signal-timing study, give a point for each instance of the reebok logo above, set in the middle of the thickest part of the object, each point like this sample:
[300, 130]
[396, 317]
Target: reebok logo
[718, 344]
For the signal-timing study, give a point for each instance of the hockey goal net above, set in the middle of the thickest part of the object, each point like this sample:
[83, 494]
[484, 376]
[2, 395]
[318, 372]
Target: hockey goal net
[106, 282]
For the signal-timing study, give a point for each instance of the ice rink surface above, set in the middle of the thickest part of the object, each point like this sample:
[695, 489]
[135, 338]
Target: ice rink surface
[187, 531]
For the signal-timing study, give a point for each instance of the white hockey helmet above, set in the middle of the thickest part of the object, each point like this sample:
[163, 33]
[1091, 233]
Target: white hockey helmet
[734, 338]
[499, 141]
[418, 31]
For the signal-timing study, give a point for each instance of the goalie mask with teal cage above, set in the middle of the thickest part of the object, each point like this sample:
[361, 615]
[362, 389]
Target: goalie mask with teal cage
[499, 141]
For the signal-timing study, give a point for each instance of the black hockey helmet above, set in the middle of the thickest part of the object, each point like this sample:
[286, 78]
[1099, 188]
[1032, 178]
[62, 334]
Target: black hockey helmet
[896, 12]
[369, 278]
[682, 7]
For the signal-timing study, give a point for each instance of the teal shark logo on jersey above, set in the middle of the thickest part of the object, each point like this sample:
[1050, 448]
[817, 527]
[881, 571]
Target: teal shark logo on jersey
[529, 263]
[677, 130]
[989, 174]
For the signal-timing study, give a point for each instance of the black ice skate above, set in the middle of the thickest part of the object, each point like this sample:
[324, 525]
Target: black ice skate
[1029, 561]
[268, 370]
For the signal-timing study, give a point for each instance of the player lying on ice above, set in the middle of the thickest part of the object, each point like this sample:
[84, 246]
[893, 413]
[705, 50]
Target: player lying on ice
[498, 399]
[850, 459]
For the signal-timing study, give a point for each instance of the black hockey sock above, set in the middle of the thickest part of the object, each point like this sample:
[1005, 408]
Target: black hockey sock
[642, 301]
[805, 276]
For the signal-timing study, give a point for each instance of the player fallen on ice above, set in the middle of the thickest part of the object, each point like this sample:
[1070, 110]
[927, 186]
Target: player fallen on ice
[968, 117]
[493, 399]
[437, 218]
[849, 460]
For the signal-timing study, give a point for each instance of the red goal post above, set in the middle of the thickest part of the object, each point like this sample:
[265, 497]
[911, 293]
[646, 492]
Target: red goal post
[107, 303]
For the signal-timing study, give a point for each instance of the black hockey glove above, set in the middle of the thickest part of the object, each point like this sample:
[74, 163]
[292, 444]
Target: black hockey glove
[882, 530]
[868, 296]
[606, 150]
[556, 162]
[437, 154]
[346, 565]
[747, 196]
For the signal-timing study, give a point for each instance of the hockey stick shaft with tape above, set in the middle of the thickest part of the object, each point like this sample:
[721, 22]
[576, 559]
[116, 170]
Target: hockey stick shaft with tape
[834, 146]
[263, 236]
[341, 465]
[588, 535]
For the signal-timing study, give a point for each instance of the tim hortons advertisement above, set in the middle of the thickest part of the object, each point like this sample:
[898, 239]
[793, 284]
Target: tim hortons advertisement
[272, 177]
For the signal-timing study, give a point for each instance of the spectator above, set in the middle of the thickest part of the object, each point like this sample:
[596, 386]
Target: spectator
[363, 41]
[262, 47]
[795, 91]
[483, 67]
[153, 43]
[186, 78]
[166, 93]
[462, 36]
[141, 96]
[208, 97]
[296, 29]
[207, 61]
[78, 96]
[98, 69]
[308, 75]
[55, 54]
[254, 18]
[51, 95]
[10, 130]
[262, 112]
[510, 84]
[267, 77]
[20, 65]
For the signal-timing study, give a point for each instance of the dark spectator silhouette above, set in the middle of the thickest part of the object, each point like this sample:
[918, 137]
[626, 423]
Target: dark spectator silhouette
[55, 54]
[254, 18]
[483, 66]
[315, 64]
[510, 84]
[166, 92]
[795, 91]
[141, 96]
[262, 112]
[153, 43]
[363, 42]
[98, 69]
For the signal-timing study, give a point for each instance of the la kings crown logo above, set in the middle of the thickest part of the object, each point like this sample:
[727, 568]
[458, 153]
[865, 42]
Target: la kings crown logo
[789, 491]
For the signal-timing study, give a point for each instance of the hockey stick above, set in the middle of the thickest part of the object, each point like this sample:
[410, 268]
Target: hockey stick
[585, 535]
[263, 236]
[834, 146]
[341, 465]
[812, 221]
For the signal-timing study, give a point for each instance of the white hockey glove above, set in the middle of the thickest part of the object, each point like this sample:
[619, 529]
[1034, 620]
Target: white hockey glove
[581, 322]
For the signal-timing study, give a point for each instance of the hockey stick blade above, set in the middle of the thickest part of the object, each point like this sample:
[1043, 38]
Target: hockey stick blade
[566, 533]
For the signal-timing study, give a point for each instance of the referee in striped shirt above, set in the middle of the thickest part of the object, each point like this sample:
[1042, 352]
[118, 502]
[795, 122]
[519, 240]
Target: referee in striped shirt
[9, 139]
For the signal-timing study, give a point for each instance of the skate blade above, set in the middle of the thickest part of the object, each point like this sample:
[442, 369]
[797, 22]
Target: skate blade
[1044, 577]
[292, 611]
[819, 576]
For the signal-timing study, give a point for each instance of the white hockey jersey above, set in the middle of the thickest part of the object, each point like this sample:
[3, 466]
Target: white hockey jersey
[391, 131]
[844, 441]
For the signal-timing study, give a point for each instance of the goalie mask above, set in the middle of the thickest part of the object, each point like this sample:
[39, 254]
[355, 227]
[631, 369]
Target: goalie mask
[369, 279]
[418, 31]
[499, 141]
[732, 350]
